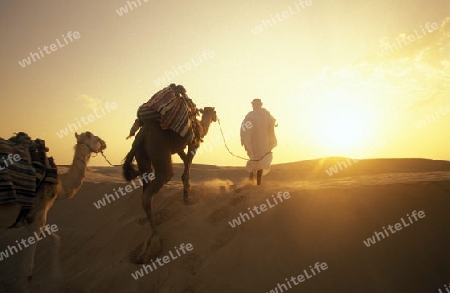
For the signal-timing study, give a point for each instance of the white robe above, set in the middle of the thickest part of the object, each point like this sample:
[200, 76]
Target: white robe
[259, 139]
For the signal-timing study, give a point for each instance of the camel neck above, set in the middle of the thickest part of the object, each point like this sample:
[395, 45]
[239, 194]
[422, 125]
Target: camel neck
[72, 180]
[81, 156]
[205, 126]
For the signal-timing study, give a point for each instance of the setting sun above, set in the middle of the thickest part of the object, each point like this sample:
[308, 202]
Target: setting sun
[342, 125]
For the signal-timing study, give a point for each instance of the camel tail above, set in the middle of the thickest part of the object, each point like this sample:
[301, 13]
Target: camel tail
[129, 172]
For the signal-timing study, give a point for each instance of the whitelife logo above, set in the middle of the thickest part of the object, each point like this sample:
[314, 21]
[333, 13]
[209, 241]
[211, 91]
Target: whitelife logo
[86, 120]
[128, 188]
[53, 47]
[342, 165]
[427, 120]
[262, 208]
[165, 260]
[398, 227]
[317, 269]
[11, 158]
[124, 9]
[301, 5]
[194, 62]
[406, 40]
[11, 250]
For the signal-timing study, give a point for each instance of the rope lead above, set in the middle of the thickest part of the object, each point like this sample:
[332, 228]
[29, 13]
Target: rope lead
[223, 137]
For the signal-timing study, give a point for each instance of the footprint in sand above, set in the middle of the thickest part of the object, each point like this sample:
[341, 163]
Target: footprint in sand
[243, 188]
[217, 216]
[162, 216]
[193, 262]
[142, 221]
[133, 255]
[235, 200]
[192, 199]
[220, 214]
[223, 238]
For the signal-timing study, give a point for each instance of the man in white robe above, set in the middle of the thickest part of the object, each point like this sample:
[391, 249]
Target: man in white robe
[258, 138]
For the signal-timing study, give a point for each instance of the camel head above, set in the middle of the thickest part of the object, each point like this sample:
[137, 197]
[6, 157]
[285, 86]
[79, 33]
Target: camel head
[93, 142]
[208, 114]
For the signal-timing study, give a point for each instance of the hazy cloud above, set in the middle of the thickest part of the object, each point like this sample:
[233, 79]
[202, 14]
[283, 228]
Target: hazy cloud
[90, 102]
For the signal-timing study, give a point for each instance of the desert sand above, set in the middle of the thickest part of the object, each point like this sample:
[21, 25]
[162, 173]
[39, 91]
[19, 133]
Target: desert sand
[325, 220]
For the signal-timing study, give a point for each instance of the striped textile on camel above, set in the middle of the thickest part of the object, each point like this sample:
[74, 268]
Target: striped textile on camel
[174, 111]
[18, 180]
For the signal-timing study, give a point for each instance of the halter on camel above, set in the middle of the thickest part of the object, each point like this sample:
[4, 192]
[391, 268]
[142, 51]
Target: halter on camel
[95, 152]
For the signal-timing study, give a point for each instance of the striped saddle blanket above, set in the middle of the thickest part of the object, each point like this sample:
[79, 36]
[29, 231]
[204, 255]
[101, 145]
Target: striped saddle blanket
[23, 166]
[175, 111]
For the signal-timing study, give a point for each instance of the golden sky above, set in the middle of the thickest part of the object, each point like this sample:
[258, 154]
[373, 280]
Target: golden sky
[339, 76]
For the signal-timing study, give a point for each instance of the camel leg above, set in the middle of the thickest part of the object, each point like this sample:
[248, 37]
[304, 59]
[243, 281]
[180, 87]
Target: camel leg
[187, 160]
[36, 228]
[162, 164]
[28, 255]
[163, 173]
[28, 261]
[30, 252]
[153, 245]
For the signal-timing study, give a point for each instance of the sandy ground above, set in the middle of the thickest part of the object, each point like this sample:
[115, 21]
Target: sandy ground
[326, 219]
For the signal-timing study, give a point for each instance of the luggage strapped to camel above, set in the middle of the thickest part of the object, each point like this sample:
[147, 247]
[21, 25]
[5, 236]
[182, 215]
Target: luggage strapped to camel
[173, 109]
[21, 179]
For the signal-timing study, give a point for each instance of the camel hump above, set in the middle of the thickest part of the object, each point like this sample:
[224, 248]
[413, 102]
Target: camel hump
[21, 138]
[172, 108]
[17, 175]
[24, 165]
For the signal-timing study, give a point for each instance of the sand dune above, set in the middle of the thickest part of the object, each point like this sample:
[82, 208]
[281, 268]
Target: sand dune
[326, 219]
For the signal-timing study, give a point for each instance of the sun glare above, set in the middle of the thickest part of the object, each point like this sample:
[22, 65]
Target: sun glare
[341, 129]
[341, 124]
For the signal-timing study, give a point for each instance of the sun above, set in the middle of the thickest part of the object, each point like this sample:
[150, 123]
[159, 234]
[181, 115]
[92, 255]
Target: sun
[341, 124]
[341, 129]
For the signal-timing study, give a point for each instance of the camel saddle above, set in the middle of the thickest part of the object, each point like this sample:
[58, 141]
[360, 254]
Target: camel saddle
[173, 109]
[21, 176]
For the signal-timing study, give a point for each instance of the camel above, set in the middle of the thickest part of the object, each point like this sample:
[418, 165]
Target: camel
[153, 147]
[68, 185]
